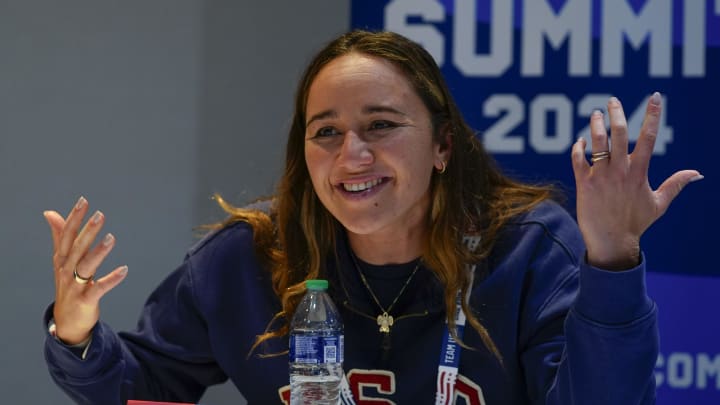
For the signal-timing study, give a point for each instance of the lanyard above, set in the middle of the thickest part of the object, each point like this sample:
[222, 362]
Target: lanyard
[449, 352]
[449, 359]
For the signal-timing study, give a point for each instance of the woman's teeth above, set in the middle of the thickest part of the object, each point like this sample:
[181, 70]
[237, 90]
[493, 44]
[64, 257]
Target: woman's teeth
[361, 186]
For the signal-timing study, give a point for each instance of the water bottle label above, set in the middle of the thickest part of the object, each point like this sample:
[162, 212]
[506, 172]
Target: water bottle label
[316, 349]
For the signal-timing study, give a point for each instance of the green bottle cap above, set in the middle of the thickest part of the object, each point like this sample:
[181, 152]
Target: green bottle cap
[316, 284]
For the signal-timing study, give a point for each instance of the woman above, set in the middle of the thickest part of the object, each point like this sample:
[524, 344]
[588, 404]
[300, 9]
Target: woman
[387, 193]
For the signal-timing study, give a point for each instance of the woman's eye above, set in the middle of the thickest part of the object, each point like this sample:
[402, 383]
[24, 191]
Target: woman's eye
[326, 132]
[379, 125]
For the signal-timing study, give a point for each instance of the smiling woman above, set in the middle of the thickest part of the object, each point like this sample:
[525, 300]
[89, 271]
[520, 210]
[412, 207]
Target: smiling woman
[379, 141]
[389, 195]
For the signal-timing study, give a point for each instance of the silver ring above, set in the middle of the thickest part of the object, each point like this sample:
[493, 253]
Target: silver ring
[598, 156]
[80, 279]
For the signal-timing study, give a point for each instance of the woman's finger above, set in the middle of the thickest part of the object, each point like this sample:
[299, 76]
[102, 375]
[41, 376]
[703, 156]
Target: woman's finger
[618, 131]
[579, 161]
[672, 186]
[101, 286]
[71, 228]
[648, 134]
[82, 244]
[56, 223]
[89, 264]
[598, 133]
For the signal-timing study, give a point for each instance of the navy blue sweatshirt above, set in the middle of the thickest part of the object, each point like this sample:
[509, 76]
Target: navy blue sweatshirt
[567, 333]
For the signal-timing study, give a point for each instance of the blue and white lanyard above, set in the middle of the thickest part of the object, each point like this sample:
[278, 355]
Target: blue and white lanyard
[449, 359]
[449, 352]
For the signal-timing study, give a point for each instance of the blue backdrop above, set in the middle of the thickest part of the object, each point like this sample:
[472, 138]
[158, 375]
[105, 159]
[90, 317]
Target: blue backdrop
[527, 75]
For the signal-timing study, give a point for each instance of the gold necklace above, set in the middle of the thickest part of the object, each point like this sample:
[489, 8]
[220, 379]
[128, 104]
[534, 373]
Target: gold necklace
[384, 320]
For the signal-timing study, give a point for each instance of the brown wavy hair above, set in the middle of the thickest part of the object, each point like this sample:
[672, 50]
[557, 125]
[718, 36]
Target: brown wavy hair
[472, 195]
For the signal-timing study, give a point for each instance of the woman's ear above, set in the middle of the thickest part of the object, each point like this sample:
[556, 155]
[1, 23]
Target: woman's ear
[444, 148]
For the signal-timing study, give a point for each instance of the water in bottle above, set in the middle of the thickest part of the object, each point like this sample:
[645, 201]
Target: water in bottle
[316, 348]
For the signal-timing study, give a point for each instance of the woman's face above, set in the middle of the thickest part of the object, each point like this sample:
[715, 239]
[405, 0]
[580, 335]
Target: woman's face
[369, 146]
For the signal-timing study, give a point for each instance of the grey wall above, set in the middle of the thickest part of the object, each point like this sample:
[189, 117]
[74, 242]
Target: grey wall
[146, 108]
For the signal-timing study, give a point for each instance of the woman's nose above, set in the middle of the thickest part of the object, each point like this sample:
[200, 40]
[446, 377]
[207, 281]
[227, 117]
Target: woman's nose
[355, 151]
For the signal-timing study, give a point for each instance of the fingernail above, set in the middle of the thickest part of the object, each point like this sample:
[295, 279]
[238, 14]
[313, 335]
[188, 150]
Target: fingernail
[123, 271]
[108, 239]
[696, 178]
[96, 217]
[614, 99]
[597, 112]
[45, 213]
[656, 98]
[80, 203]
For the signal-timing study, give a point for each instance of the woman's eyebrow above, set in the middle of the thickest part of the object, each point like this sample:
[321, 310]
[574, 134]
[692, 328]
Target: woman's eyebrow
[381, 108]
[366, 110]
[321, 115]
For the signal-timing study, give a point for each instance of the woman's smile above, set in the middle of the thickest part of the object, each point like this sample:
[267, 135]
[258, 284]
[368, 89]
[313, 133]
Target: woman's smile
[354, 189]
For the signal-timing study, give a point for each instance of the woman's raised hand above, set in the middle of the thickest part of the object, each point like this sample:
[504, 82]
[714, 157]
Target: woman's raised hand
[75, 262]
[615, 203]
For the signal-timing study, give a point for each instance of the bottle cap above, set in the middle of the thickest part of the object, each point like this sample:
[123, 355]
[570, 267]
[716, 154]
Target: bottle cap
[316, 284]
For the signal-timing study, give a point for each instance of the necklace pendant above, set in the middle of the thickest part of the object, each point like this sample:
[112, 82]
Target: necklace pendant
[385, 321]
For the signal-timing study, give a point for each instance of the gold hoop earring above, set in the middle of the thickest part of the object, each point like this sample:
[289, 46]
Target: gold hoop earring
[443, 168]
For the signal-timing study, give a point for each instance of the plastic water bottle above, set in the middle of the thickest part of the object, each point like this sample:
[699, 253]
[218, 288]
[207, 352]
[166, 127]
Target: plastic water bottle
[316, 348]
